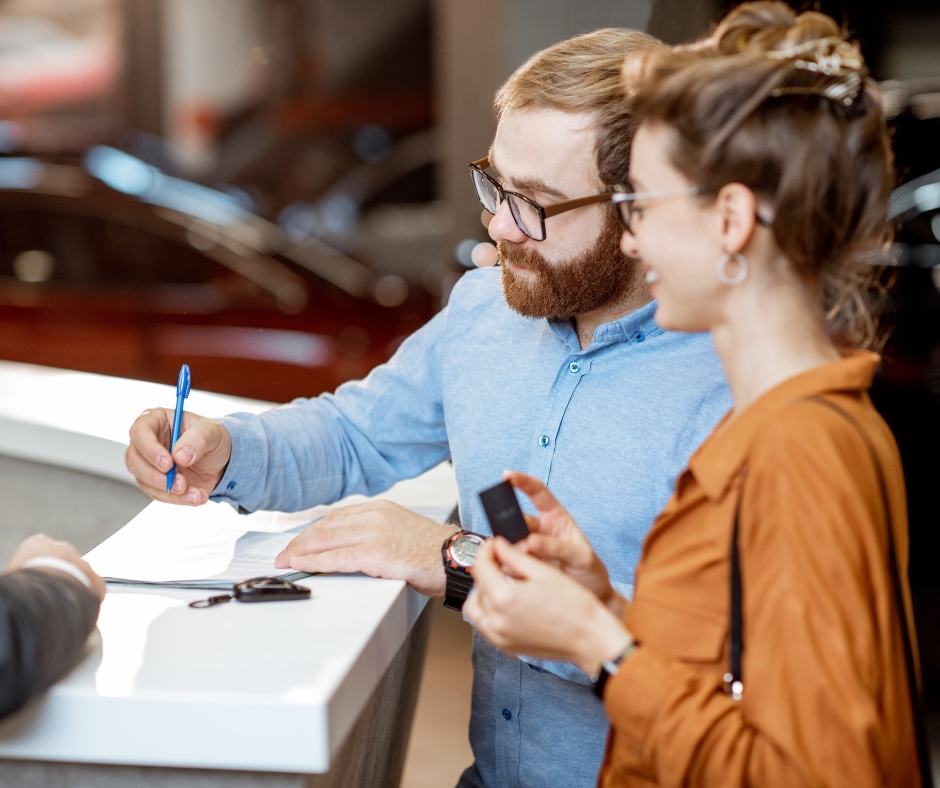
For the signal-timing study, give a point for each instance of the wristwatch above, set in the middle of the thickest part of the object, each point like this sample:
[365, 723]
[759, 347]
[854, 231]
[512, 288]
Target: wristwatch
[610, 668]
[459, 552]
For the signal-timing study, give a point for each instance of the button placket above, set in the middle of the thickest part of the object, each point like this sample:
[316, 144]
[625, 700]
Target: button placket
[568, 378]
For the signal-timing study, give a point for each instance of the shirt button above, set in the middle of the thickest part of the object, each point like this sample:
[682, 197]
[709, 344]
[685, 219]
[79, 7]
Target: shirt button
[507, 715]
[574, 366]
[640, 336]
[544, 441]
[230, 486]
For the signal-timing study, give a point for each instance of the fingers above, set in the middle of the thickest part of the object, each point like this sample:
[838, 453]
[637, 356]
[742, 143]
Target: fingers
[485, 570]
[150, 436]
[182, 494]
[343, 560]
[319, 537]
[514, 562]
[548, 548]
[97, 582]
[198, 437]
[471, 608]
[532, 521]
[341, 528]
[204, 447]
[351, 525]
[40, 545]
[538, 493]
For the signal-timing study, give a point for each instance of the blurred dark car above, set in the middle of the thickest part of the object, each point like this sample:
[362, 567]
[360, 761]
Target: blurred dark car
[907, 389]
[111, 266]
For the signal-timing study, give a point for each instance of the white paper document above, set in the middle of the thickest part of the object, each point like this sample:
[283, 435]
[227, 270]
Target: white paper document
[212, 546]
[179, 554]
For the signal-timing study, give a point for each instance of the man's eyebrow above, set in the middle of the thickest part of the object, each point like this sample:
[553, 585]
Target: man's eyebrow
[538, 185]
[532, 184]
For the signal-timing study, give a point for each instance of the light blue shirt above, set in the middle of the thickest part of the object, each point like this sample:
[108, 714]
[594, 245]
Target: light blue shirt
[608, 429]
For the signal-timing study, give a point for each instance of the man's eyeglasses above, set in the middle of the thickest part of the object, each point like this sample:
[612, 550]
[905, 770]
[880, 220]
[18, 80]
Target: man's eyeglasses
[627, 209]
[529, 215]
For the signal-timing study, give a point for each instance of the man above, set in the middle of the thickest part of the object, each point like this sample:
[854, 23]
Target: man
[49, 599]
[553, 366]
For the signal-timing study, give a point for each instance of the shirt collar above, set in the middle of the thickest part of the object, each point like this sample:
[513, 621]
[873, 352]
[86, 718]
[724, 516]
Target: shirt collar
[721, 457]
[637, 327]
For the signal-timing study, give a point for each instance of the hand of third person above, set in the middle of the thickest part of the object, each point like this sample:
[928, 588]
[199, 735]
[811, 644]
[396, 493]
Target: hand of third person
[379, 538]
[41, 546]
[201, 454]
[555, 537]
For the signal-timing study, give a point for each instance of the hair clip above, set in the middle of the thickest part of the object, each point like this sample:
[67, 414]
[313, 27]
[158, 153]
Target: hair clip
[845, 91]
[830, 56]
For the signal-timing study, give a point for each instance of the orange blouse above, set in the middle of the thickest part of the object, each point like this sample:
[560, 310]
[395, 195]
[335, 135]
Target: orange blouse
[826, 699]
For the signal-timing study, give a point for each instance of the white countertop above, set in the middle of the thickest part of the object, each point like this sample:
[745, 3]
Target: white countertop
[268, 687]
[79, 420]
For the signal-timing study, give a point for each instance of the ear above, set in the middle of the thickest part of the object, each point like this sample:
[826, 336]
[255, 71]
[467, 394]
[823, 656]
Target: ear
[736, 209]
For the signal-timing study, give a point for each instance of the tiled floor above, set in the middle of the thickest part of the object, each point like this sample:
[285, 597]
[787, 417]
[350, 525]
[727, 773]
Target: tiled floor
[439, 750]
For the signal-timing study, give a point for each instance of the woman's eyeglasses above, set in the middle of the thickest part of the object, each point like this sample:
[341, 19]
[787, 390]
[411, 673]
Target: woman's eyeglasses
[627, 209]
[625, 201]
[529, 215]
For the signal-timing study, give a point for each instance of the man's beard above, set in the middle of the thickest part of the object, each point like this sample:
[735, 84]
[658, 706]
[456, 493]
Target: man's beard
[581, 284]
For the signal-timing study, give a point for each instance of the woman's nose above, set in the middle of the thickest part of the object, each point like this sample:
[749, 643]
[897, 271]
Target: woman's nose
[503, 227]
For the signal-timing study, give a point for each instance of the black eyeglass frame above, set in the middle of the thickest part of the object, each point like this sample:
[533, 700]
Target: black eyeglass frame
[543, 212]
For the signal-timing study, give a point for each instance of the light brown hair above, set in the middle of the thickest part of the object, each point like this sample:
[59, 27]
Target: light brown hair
[582, 74]
[764, 103]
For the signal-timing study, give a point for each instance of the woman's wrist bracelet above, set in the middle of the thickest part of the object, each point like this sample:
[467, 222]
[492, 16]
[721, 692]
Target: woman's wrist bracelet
[610, 668]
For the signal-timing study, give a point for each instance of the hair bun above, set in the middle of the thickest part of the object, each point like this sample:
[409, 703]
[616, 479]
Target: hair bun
[762, 27]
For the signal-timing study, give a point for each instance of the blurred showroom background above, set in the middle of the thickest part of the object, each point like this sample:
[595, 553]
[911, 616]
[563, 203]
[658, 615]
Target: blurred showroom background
[276, 192]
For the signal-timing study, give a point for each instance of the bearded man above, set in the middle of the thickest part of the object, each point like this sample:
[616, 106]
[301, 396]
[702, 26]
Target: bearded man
[551, 364]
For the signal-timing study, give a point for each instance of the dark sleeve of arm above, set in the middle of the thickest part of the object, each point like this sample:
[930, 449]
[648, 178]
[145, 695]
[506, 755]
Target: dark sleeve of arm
[45, 618]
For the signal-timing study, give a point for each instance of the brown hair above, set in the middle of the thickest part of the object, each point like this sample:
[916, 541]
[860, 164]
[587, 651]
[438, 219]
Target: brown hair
[782, 103]
[582, 74]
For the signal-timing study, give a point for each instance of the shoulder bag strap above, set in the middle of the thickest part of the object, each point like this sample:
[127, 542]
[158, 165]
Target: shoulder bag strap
[733, 679]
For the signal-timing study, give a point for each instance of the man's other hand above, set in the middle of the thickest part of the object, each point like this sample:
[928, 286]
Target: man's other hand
[201, 454]
[41, 546]
[379, 538]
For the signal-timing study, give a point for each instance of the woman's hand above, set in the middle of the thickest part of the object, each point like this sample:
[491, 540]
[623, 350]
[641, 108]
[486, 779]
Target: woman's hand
[526, 606]
[555, 537]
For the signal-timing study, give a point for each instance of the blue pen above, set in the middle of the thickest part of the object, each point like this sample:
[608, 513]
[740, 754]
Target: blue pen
[182, 392]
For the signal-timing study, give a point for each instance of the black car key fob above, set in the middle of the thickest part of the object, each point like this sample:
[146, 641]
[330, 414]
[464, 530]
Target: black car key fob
[258, 589]
[502, 510]
[269, 589]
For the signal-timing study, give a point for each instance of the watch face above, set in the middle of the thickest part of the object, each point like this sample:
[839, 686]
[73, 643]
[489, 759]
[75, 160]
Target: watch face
[464, 549]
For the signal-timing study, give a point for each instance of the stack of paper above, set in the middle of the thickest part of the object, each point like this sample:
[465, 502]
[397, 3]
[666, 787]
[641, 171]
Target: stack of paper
[213, 547]
[163, 546]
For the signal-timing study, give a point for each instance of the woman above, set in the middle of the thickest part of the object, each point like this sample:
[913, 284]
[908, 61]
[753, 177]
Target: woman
[760, 169]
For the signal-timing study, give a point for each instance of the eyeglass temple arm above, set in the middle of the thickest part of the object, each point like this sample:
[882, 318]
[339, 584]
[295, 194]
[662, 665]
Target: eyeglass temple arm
[483, 163]
[561, 207]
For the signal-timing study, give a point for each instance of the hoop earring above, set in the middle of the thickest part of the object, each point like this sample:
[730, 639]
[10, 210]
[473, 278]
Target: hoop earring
[739, 277]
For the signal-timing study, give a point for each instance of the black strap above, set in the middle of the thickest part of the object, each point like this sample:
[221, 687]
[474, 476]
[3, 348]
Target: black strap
[733, 684]
[733, 681]
[457, 589]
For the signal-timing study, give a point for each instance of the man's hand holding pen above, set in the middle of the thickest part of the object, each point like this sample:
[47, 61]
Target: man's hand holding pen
[201, 454]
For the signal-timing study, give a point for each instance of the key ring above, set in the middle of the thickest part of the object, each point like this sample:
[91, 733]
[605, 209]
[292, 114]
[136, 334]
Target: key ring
[212, 601]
